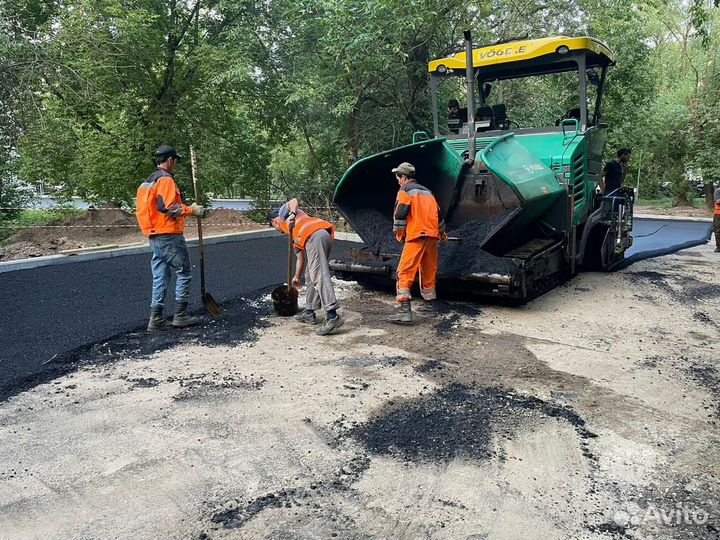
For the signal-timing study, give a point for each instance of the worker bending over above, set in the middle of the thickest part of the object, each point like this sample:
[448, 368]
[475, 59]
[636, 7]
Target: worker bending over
[161, 215]
[417, 220]
[312, 240]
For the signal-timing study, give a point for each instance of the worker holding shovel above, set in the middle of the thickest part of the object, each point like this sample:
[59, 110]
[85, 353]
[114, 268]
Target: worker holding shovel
[418, 222]
[312, 241]
[161, 215]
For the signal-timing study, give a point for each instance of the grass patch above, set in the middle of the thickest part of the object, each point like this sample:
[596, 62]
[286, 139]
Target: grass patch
[11, 224]
[258, 216]
[667, 202]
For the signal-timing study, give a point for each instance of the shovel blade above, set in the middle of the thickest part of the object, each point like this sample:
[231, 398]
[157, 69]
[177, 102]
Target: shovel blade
[211, 306]
[285, 300]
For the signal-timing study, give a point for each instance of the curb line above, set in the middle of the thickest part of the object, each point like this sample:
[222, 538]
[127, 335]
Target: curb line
[347, 237]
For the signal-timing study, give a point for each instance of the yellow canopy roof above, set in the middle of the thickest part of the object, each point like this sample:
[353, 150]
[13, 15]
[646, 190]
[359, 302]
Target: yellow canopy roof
[528, 50]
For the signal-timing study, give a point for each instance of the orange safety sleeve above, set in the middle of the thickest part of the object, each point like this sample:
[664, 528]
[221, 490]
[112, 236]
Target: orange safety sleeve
[441, 221]
[168, 198]
[403, 204]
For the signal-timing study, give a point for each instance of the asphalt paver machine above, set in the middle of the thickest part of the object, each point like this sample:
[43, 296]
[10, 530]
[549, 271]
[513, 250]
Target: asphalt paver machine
[521, 202]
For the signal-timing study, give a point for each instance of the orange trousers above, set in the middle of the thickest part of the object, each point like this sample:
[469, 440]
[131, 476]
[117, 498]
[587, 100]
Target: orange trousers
[419, 255]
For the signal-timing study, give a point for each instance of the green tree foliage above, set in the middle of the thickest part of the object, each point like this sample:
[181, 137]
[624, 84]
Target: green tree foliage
[280, 97]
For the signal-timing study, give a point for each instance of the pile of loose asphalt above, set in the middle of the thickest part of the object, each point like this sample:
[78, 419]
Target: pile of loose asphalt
[456, 258]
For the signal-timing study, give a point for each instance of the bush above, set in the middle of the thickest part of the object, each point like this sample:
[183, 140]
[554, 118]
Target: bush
[652, 189]
[683, 192]
[13, 196]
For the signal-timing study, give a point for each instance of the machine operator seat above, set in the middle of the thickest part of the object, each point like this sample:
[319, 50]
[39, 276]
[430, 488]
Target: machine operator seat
[485, 119]
[500, 114]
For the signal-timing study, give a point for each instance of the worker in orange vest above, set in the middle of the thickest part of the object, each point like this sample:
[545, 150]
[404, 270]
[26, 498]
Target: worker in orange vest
[418, 222]
[312, 240]
[716, 220]
[161, 216]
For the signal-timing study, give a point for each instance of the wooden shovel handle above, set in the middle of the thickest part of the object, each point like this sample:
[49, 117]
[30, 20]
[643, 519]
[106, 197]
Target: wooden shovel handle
[290, 253]
[201, 247]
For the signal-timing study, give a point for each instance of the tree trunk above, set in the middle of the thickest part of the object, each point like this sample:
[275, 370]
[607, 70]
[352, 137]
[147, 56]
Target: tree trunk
[353, 133]
[709, 195]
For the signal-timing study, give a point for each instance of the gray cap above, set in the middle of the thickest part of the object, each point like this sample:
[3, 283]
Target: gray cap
[405, 168]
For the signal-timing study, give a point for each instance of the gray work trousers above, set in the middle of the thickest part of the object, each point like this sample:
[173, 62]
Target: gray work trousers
[318, 282]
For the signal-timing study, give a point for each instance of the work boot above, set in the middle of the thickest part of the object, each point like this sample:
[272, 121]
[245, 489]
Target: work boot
[404, 317]
[306, 316]
[181, 318]
[157, 321]
[428, 308]
[717, 249]
[330, 325]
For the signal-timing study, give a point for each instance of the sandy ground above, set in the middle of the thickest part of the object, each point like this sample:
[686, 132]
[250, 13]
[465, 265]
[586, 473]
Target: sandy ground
[679, 211]
[590, 413]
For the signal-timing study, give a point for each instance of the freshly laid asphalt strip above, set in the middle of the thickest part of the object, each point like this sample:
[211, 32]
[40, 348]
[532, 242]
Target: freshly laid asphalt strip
[655, 237]
[53, 310]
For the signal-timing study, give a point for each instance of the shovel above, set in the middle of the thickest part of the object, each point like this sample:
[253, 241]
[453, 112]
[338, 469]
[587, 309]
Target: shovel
[285, 299]
[211, 306]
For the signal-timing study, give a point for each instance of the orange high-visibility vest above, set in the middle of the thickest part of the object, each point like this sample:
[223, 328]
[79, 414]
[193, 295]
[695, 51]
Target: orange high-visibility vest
[159, 207]
[305, 226]
[717, 208]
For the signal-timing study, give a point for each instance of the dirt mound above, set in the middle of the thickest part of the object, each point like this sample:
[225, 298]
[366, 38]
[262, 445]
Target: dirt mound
[679, 211]
[89, 228]
[94, 228]
[26, 250]
[224, 219]
[109, 226]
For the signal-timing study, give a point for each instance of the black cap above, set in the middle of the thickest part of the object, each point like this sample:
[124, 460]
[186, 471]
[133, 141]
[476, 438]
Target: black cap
[166, 151]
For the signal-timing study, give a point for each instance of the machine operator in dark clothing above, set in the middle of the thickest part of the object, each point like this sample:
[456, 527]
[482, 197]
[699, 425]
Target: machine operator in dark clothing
[613, 174]
[456, 113]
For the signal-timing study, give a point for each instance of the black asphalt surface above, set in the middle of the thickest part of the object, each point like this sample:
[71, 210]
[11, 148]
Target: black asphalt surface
[655, 237]
[53, 310]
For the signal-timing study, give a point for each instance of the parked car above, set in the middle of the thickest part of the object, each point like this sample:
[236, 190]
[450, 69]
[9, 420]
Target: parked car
[700, 187]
